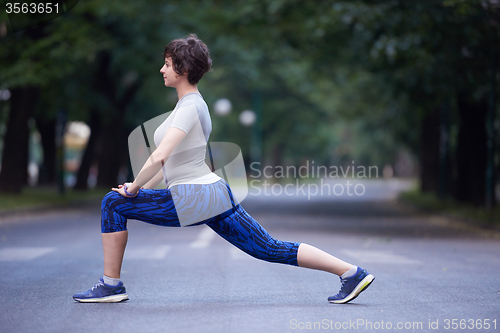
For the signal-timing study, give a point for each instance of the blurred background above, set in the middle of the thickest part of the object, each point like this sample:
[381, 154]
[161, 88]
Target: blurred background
[410, 87]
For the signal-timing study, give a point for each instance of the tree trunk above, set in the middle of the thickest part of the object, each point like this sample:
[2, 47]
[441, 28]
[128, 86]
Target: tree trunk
[113, 140]
[14, 172]
[471, 151]
[278, 155]
[445, 167]
[429, 152]
[89, 156]
[110, 158]
[47, 130]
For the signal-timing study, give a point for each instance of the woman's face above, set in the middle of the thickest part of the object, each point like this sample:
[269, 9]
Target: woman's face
[170, 77]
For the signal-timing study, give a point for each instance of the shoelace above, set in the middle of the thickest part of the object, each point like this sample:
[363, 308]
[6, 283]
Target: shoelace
[99, 284]
[343, 282]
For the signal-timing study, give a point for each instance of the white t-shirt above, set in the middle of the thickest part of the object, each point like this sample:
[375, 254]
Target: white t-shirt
[186, 164]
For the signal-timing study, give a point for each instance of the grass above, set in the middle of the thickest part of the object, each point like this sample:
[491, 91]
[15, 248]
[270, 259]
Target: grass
[37, 197]
[432, 203]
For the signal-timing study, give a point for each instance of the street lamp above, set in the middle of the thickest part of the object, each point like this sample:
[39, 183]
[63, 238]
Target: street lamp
[5, 95]
[248, 118]
[223, 107]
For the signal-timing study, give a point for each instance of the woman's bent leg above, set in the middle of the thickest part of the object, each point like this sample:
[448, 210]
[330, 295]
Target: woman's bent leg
[113, 245]
[151, 206]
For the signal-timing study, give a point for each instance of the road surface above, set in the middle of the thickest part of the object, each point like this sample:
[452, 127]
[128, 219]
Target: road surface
[432, 274]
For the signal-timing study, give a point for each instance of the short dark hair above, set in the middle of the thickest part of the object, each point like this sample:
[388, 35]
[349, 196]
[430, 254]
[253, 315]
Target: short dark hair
[189, 54]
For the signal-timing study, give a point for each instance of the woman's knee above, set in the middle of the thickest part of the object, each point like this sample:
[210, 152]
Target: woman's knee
[111, 217]
[262, 250]
[278, 251]
[109, 198]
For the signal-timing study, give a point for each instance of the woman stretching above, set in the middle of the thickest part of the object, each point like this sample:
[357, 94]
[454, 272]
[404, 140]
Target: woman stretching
[194, 194]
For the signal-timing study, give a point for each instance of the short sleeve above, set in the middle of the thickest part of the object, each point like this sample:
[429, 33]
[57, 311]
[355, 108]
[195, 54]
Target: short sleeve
[185, 118]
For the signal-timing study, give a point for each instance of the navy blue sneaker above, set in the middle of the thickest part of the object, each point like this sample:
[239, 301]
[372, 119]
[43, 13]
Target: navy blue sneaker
[102, 293]
[352, 287]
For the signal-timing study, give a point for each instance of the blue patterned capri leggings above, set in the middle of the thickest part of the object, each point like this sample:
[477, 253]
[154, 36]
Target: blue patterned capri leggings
[195, 204]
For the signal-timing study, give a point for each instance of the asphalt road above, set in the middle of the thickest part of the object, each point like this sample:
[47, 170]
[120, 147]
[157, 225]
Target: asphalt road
[432, 274]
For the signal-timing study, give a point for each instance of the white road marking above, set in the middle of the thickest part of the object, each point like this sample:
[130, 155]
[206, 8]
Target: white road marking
[24, 253]
[147, 252]
[384, 257]
[204, 238]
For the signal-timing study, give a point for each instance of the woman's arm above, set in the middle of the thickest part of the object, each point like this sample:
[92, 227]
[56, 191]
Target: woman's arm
[156, 160]
[154, 181]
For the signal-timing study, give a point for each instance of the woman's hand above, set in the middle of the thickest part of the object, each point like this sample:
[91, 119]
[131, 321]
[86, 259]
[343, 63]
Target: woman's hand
[121, 190]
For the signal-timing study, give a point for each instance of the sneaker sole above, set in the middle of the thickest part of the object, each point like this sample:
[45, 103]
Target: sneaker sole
[107, 299]
[365, 283]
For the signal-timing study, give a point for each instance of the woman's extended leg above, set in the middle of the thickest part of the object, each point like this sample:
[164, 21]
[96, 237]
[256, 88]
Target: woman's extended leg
[241, 230]
[311, 257]
[244, 232]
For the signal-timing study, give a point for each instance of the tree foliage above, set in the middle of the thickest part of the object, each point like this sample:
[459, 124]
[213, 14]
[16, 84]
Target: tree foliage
[339, 80]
